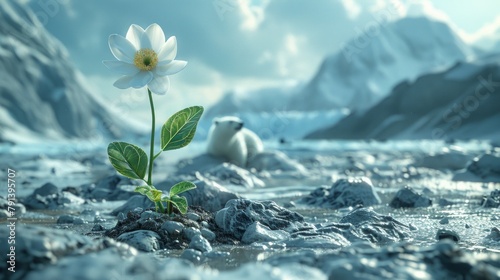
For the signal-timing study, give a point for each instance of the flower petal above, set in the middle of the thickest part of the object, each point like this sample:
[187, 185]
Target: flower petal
[141, 79]
[121, 67]
[159, 85]
[156, 36]
[121, 48]
[168, 50]
[134, 34]
[170, 68]
[123, 82]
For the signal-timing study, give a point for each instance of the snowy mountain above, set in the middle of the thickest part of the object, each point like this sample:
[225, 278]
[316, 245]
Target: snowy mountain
[459, 103]
[363, 72]
[369, 66]
[42, 96]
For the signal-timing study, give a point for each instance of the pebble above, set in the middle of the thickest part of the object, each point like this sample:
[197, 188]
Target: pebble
[190, 232]
[192, 255]
[142, 240]
[199, 243]
[173, 228]
[447, 234]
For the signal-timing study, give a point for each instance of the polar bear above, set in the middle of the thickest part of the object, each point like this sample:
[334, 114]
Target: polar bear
[229, 139]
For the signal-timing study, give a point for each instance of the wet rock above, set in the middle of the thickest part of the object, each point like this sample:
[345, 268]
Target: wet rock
[132, 203]
[108, 264]
[208, 194]
[190, 232]
[444, 221]
[199, 243]
[46, 190]
[367, 225]
[193, 216]
[492, 201]
[98, 227]
[239, 214]
[48, 196]
[482, 169]
[444, 260]
[69, 219]
[110, 188]
[452, 159]
[443, 202]
[447, 234]
[344, 193]
[172, 227]
[274, 161]
[231, 174]
[142, 240]
[409, 198]
[18, 207]
[192, 255]
[257, 232]
[37, 246]
[494, 234]
[208, 234]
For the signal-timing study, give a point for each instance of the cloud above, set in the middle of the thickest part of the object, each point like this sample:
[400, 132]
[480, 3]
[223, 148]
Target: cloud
[352, 8]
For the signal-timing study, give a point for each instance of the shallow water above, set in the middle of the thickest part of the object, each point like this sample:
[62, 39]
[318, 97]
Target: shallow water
[390, 166]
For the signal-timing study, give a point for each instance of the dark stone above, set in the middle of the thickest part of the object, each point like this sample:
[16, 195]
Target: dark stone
[409, 198]
[344, 193]
[239, 214]
[447, 234]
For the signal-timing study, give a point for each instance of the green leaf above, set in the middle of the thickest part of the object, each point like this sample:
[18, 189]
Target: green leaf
[156, 194]
[179, 202]
[181, 187]
[179, 130]
[143, 189]
[129, 160]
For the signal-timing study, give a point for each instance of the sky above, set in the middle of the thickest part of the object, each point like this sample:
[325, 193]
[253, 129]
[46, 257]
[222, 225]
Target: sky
[238, 44]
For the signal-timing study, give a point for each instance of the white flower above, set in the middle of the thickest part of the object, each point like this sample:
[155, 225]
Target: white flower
[144, 58]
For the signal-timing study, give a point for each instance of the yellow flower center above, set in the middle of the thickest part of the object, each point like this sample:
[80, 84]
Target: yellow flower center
[145, 59]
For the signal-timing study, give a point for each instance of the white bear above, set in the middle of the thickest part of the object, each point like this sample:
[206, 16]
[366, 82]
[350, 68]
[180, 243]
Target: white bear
[229, 139]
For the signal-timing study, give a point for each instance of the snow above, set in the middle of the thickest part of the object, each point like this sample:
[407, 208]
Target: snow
[42, 97]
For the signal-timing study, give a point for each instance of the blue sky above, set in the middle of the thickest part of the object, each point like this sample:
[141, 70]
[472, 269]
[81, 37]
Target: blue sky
[239, 43]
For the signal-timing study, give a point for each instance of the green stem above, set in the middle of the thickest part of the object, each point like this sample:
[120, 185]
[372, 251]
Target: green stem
[152, 148]
[160, 207]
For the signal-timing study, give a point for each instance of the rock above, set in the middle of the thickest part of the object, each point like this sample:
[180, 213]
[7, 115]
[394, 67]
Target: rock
[444, 221]
[208, 234]
[409, 198]
[199, 243]
[173, 228]
[193, 216]
[275, 161]
[98, 227]
[452, 159]
[447, 234]
[444, 260]
[69, 219]
[208, 194]
[228, 173]
[492, 201]
[482, 169]
[46, 190]
[48, 196]
[192, 255]
[36, 247]
[257, 232]
[198, 164]
[344, 193]
[190, 232]
[367, 225]
[110, 188]
[494, 234]
[239, 214]
[132, 203]
[19, 208]
[142, 240]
